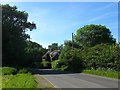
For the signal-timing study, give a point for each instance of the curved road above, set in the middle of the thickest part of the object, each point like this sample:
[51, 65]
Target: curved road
[76, 80]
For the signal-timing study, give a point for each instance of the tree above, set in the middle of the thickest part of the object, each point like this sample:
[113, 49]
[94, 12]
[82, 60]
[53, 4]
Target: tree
[14, 26]
[34, 53]
[69, 43]
[71, 59]
[54, 46]
[91, 35]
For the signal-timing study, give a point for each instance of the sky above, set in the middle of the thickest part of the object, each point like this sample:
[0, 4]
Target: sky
[56, 21]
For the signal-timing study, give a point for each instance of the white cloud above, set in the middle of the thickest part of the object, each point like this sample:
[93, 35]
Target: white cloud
[99, 17]
[106, 6]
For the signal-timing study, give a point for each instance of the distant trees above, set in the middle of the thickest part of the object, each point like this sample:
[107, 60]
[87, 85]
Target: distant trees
[54, 46]
[91, 35]
[93, 48]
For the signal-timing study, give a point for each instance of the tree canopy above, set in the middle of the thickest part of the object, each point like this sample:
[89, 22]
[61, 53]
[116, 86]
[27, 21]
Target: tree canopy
[14, 25]
[91, 35]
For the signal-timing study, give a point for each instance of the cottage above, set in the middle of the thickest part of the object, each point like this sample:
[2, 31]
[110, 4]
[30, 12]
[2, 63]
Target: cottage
[51, 55]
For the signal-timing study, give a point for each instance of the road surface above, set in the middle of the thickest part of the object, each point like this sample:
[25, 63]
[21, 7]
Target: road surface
[76, 80]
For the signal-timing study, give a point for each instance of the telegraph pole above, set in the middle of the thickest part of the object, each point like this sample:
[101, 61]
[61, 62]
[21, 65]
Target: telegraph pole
[72, 41]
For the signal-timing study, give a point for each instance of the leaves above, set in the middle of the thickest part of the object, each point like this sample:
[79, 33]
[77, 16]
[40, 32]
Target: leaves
[14, 26]
[91, 35]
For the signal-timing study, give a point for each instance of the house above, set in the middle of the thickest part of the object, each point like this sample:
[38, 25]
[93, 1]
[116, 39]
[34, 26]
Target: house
[51, 55]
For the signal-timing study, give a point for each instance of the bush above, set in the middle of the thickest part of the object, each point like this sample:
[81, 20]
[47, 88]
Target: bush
[9, 71]
[46, 64]
[59, 65]
[23, 71]
[38, 64]
[102, 56]
[54, 64]
[71, 60]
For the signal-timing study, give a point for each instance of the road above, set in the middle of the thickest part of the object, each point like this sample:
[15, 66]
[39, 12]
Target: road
[76, 80]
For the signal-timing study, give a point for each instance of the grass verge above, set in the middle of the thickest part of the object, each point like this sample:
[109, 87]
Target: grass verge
[43, 83]
[18, 81]
[110, 74]
[0, 82]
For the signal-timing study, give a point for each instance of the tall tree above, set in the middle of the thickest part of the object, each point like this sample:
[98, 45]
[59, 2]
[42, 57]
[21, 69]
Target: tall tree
[14, 26]
[34, 53]
[91, 35]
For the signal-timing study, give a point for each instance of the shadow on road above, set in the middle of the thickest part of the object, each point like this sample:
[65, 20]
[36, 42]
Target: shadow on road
[49, 71]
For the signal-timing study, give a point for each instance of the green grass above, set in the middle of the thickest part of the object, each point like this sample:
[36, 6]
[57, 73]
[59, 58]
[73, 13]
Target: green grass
[110, 74]
[0, 82]
[18, 81]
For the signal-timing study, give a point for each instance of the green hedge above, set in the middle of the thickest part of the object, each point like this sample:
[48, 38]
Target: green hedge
[102, 56]
[99, 57]
[23, 71]
[46, 64]
[59, 65]
[70, 58]
[9, 71]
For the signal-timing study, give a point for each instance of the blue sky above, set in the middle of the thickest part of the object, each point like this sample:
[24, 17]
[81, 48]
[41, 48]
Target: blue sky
[57, 20]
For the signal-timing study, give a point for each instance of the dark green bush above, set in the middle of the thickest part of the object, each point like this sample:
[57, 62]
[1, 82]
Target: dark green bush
[23, 71]
[38, 64]
[9, 71]
[46, 64]
[59, 65]
[71, 60]
[54, 64]
[102, 56]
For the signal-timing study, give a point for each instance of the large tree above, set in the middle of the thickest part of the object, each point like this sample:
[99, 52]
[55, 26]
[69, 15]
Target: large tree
[34, 53]
[14, 26]
[91, 35]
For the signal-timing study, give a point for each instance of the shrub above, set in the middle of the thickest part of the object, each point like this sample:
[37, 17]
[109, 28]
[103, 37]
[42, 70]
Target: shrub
[102, 56]
[71, 60]
[9, 71]
[46, 64]
[23, 71]
[38, 64]
[59, 65]
[54, 64]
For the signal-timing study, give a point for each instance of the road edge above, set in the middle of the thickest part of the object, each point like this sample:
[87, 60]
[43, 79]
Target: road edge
[49, 82]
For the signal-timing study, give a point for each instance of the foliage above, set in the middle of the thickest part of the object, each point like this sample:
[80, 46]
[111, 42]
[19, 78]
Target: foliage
[54, 64]
[23, 71]
[1, 81]
[69, 43]
[19, 81]
[9, 71]
[38, 65]
[59, 65]
[91, 35]
[71, 58]
[106, 73]
[46, 64]
[54, 46]
[34, 53]
[14, 26]
[102, 56]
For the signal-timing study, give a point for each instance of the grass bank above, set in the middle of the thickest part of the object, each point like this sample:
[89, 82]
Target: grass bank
[110, 74]
[18, 81]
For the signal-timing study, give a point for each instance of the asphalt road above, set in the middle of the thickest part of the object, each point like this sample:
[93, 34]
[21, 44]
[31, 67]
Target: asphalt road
[76, 80]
